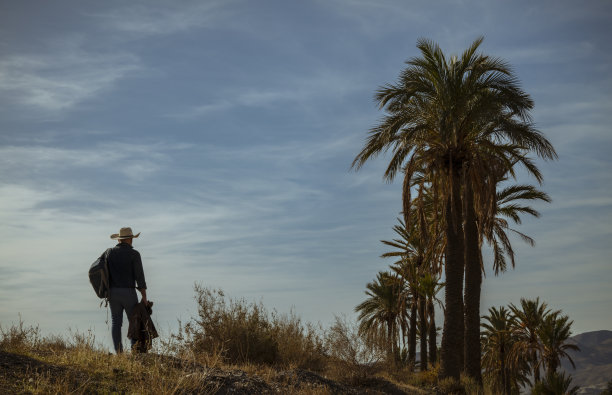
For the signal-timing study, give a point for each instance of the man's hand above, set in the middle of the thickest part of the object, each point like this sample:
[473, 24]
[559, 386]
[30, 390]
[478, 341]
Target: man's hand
[144, 295]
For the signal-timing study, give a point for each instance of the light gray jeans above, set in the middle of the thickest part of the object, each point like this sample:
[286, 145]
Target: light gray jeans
[121, 299]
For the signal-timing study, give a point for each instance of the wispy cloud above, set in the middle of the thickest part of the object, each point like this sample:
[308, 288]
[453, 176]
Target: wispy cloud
[159, 18]
[60, 80]
[368, 16]
[136, 162]
[306, 90]
[553, 53]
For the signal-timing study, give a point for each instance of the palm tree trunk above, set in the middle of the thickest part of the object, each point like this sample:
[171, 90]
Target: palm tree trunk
[536, 367]
[432, 331]
[473, 281]
[412, 335]
[413, 308]
[403, 335]
[423, 331]
[451, 352]
[551, 367]
[390, 341]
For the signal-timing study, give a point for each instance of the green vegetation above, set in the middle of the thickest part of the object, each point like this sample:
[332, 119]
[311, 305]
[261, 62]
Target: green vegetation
[555, 383]
[457, 128]
[520, 342]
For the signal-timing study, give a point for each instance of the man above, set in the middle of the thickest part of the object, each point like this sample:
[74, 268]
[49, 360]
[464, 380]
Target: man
[125, 271]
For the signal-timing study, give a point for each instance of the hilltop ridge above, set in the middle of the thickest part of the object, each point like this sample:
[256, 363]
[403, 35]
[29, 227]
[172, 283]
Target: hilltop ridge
[593, 361]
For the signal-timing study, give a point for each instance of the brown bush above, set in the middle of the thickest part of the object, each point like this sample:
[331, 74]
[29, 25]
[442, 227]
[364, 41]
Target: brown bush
[239, 332]
[353, 357]
[18, 337]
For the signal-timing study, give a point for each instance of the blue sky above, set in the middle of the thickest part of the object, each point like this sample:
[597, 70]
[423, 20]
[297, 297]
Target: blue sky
[224, 132]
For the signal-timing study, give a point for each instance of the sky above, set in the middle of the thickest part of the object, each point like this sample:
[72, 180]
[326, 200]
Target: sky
[224, 131]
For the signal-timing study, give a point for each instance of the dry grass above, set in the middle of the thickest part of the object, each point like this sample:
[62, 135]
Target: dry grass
[230, 343]
[39, 365]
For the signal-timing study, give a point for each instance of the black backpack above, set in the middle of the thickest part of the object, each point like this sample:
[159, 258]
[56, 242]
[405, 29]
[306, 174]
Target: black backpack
[99, 276]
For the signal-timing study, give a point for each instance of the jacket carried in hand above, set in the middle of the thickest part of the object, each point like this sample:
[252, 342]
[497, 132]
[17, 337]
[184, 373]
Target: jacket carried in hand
[141, 328]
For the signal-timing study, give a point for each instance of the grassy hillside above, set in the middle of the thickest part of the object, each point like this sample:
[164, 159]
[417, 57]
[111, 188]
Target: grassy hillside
[231, 346]
[31, 363]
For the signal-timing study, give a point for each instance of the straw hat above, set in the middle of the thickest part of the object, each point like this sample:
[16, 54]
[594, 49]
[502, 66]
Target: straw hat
[124, 233]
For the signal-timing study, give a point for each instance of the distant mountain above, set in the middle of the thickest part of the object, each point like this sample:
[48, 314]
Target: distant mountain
[593, 361]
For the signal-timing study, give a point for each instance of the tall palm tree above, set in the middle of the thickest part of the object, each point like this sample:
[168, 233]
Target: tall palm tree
[554, 332]
[435, 113]
[381, 314]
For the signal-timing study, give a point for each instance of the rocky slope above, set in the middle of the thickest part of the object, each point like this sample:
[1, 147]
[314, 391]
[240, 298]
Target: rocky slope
[593, 361]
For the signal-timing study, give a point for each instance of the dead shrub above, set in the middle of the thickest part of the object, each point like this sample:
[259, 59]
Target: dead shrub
[19, 337]
[300, 345]
[353, 357]
[240, 332]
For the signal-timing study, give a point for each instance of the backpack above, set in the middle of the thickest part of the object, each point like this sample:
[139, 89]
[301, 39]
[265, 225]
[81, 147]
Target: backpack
[99, 276]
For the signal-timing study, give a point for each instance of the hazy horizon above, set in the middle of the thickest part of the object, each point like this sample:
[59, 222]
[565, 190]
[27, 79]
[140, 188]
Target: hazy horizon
[224, 132]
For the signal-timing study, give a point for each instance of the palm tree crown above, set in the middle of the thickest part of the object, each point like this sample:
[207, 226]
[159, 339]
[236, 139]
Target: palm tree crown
[381, 314]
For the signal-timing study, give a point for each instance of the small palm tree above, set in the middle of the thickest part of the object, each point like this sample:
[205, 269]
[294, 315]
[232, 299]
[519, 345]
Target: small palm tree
[407, 247]
[381, 314]
[555, 383]
[503, 375]
[429, 287]
[419, 262]
[554, 332]
[529, 319]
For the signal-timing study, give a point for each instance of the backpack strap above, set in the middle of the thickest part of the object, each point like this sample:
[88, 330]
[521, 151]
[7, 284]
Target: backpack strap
[106, 277]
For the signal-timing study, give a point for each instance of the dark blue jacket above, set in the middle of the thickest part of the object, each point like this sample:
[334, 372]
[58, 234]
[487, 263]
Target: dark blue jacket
[125, 267]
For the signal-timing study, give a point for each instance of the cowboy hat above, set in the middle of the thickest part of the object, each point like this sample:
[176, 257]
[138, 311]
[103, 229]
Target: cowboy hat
[124, 233]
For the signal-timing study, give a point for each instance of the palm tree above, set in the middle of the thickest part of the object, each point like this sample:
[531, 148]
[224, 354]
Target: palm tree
[494, 214]
[407, 246]
[407, 271]
[498, 338]
[429, 286]
[435, 115]
[418, 264]
[529, 318]
[495, 227]
[381, 313]
[555, 383]
[488, 165]
[554, 332]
